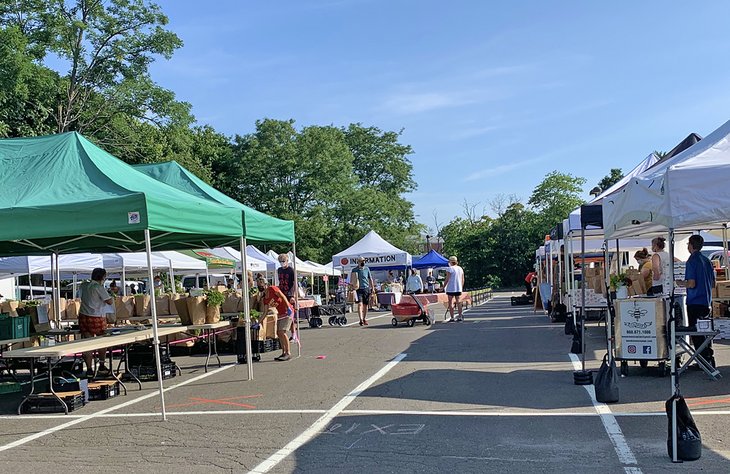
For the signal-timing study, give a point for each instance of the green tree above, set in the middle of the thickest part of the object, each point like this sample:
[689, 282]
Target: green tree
[472, 241]
[613, 177]
[27, 89]
[555, 197]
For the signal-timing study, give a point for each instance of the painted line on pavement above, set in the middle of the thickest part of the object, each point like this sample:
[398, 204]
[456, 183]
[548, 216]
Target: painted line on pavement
[493, 414]
[322, 422]
[623, 451]
[99, 414]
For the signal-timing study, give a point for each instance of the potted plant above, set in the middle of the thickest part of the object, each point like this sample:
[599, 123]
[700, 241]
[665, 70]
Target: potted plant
[213, 301]
[619, 284]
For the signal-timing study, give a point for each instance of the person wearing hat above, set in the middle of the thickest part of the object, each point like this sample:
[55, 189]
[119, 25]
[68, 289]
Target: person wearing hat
[362, 281]
[453, 286]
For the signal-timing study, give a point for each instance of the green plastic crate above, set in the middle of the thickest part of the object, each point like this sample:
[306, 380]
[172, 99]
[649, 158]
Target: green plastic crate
[9, 387]
[14, 328]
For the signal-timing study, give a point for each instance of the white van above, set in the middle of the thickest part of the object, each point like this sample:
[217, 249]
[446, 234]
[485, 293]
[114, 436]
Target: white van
[188, 281]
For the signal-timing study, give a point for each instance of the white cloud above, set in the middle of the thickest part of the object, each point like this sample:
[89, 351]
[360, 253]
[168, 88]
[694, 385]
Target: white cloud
[413, 103]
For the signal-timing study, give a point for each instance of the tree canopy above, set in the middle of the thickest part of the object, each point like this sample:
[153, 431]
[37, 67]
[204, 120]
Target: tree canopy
[613, 177]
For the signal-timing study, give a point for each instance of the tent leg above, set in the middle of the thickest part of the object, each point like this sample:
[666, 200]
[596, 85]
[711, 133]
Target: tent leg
[246, 308]
[155, 335]
[172, 280]
[297, 334]
[674, 379]
[724, 246]
[583, 296]
[124, 281]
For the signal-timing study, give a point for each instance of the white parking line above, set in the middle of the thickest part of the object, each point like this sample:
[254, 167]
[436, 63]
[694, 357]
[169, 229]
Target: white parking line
[101, 413]
[322, 422]
[623, 451]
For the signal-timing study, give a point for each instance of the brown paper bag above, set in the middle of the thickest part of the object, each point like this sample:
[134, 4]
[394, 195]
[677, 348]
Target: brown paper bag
[10, 307]
[162, 304]
[52, 310]
[173, 298]
[181, 307]
[39, 318]
[196, 309]
[124, 307]
[212, 314]
[72, 309]
[142, 305]
[230, 305]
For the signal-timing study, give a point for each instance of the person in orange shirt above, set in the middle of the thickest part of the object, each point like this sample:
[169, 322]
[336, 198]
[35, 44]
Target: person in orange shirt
[528, 282]
[273, 297]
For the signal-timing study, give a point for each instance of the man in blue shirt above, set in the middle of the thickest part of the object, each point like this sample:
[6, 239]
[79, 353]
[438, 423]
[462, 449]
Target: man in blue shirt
[699, 281]
[362, 281]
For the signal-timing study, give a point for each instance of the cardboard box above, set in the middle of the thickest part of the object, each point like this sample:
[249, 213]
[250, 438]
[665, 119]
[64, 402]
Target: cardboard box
[722, 325]
[723, 289]
[719, 309]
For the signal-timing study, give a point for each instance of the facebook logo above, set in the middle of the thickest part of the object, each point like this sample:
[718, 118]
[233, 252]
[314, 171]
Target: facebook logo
[647, 349]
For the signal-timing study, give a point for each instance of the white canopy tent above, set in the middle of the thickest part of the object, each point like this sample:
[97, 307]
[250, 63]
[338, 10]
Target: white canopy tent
[40, 265]
[378, 254]
[687, 192]
[253, 263]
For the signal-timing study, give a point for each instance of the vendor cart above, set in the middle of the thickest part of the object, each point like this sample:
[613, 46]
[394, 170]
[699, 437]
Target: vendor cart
[409, 313]
[641, 332]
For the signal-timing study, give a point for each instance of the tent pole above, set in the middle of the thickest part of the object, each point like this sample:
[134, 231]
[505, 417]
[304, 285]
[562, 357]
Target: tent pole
[246, 308]
[673, 348]
[583, 296]
[609, 319]
[618, 258]
[124, 281]
[297, 336]
[207, 276]
[58, 292]
[172, 279]
[73, 286]
[153, 308]
[725, 257]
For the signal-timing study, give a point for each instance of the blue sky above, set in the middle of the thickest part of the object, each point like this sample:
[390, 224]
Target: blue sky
[490, 95]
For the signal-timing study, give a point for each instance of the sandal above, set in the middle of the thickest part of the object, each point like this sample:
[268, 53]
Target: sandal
[283, 358]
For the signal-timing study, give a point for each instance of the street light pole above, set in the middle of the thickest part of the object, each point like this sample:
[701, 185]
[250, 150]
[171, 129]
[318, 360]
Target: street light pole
[428, 243]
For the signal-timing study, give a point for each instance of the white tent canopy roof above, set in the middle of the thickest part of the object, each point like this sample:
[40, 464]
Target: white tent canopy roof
[376, 251]
[572, 223]
[67, 263]
[132, 262]
[688, 191]
[181, 262]
[254, 263]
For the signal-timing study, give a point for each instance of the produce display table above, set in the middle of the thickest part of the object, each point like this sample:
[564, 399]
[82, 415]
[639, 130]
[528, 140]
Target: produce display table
[57, 351]
[209, 334]
[4, 345]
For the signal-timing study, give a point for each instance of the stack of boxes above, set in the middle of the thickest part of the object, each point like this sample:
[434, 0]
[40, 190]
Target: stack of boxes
[720, 300]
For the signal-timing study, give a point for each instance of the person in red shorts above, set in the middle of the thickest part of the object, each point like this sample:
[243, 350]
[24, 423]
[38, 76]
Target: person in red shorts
[92, 320]
[273, 297]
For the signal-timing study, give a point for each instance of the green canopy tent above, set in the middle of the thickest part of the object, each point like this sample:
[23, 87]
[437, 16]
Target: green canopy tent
[63, 194]
[257, 226]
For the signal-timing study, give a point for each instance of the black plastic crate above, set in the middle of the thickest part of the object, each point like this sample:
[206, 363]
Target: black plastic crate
[103, 390]
[143, 354]
[149, 372]
[47, 403]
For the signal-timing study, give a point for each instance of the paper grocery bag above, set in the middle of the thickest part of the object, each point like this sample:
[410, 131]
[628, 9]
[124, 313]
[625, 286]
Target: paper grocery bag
[52, 310]
[230, 305]
[181, 308]
[72, 309]
[10, 307]
[162, 304]
[173, 298]
[196, 308]
[124, 307]
[142, 305]
[212, 314]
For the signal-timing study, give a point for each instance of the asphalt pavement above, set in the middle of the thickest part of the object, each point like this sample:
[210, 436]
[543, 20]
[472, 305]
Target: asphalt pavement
[493, 393]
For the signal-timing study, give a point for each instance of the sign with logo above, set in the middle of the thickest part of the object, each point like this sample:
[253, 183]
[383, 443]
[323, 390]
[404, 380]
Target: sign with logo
[133, 218]
[637, 329]
[374, 261]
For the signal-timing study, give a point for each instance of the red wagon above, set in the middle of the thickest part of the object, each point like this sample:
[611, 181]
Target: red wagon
[409, 313]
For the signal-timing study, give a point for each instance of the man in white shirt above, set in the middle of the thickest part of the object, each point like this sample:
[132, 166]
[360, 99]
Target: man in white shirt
[453, 287]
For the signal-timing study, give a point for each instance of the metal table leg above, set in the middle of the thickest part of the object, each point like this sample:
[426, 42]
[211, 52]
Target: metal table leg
[113, 374]
[126, 367]
[207, 333]
[50, 386]
[215, 348]
[32, 386]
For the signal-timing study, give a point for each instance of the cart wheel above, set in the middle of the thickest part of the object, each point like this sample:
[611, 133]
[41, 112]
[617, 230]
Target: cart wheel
[427, 320]
[624, 368]
[394, 322]
[411, 322]
[332, 320]
[644, 364]
[319, 322]
[343, 321]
